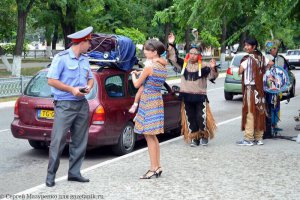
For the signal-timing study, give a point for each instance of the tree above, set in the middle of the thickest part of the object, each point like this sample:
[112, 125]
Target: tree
[23, 8]
[7, 27]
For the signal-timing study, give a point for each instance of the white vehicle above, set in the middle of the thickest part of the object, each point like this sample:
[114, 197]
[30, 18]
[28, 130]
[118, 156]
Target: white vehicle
[293, 57]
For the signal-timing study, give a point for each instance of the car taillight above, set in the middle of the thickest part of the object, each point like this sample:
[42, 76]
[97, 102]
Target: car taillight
[98, 116]
[16, 111]
[229, 71]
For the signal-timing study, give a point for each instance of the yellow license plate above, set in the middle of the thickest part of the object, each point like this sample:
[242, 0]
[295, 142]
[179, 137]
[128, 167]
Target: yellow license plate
[46, 114]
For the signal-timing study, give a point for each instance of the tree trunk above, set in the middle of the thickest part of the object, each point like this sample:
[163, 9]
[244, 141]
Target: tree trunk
[4, 60]
[67, 30]
[16, 70]
[68, 26]
[223, 39]
[241, 43]
[6, 63]
[187, 39]
[55, 37]
[23, 10]
[48, 33]
[17, 60]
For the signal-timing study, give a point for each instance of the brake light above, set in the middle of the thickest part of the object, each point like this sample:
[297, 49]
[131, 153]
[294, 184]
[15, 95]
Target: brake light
[98, 116]
[16, 110]
[229, 71]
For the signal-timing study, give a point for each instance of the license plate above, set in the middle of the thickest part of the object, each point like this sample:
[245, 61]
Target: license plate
[293, 60]
[46, 114]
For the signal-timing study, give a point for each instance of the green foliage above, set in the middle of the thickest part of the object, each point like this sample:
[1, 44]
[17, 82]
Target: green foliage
[9, 48]
[134, 34]
[8, 20]
[155, 18]
[209, 39]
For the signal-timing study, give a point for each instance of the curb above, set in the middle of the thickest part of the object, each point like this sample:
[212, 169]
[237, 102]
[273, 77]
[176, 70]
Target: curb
[7, 104]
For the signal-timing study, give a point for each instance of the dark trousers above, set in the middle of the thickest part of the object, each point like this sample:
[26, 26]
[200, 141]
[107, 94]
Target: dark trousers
[73, 116]
[196, 115]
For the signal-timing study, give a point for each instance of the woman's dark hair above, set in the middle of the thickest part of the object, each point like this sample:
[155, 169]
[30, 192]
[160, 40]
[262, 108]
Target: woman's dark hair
[251, 41]
[155, 45]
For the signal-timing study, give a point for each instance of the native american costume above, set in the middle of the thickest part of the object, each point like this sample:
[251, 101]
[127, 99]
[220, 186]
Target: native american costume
[196, 118]
[274, 99]
[254, 109]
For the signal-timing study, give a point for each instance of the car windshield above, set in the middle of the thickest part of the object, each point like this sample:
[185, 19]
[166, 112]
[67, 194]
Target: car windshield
[38, 87]
[290, 53]
[237, 60]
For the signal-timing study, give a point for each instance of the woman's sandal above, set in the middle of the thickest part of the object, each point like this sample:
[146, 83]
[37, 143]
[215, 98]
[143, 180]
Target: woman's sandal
[149, 174]
[159, 171]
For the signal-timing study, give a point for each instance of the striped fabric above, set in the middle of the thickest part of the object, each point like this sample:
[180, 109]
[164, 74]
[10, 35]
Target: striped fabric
[149, 119]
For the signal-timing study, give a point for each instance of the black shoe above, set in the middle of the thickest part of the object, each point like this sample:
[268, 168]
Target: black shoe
[194, 143]
[149, 174]
[158, 171]
[79, 179]
[50, 183]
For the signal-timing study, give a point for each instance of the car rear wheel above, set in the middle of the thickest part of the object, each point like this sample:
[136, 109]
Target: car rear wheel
[126, 140]
[228, 95]
[293, 90]
[38, 144]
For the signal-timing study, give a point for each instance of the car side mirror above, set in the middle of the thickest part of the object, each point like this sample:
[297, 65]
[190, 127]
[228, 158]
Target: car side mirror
[292, 67]
[175, 89]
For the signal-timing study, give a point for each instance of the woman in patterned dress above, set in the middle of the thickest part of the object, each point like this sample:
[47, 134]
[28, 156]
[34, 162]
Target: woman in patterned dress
[149, 119]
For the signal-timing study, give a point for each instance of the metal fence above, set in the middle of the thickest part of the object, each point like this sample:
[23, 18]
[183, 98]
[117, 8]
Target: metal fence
[13, 86]
[36, 54]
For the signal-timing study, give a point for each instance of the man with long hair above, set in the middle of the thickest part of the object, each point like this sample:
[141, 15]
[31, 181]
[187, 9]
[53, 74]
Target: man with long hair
[252, 68]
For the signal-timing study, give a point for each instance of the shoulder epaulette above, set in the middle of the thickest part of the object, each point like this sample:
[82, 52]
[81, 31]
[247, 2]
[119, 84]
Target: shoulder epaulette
[63, 52]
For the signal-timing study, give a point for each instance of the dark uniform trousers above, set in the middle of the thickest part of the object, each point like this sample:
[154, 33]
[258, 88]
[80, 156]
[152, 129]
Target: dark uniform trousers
[73, 116]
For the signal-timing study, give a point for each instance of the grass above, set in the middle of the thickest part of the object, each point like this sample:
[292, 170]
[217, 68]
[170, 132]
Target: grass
[24, 72]
[173, 77]
[30, 60]
[5, 99]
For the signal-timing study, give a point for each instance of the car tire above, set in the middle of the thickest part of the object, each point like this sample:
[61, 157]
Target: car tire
[38, 144]
[126, 140]
[228, 95]
[293, 90]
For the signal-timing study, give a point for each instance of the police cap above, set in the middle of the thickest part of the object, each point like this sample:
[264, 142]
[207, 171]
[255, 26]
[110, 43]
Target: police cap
[81, 35]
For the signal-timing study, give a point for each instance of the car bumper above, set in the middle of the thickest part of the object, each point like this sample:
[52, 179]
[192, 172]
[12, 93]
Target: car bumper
[233, 86]
[97, 136]
[294, 63]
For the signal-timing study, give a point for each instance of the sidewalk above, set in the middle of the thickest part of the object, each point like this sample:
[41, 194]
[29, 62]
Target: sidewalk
[222, 170]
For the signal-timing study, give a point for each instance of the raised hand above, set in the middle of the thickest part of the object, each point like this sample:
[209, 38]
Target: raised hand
[171, 38]
[212, 63]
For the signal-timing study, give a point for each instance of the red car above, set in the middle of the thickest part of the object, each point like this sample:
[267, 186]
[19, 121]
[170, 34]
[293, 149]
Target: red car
[110, 122]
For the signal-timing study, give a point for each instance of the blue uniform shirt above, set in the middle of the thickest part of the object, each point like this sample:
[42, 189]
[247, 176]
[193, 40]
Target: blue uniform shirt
[74, 72]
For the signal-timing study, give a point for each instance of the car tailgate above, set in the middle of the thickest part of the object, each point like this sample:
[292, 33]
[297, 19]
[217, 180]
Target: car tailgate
[36, 111]
[235, 73]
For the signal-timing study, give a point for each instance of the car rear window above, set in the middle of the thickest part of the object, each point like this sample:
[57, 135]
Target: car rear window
[38, 87]
[114, 86]
[237, 60]
[293, 53]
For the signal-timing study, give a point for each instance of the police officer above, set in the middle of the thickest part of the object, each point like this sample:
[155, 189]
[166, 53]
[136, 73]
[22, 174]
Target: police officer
[70, 78]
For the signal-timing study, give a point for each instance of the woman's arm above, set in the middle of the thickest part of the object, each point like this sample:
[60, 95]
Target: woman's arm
[137, 82]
